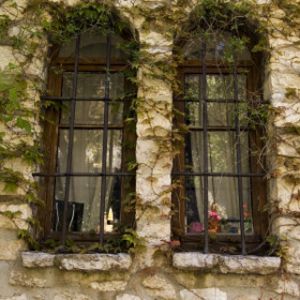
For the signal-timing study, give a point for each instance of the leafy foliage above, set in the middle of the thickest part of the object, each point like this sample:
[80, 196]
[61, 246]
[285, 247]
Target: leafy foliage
[61, 22]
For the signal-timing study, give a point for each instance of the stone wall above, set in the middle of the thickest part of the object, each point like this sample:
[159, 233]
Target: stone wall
[153, 274]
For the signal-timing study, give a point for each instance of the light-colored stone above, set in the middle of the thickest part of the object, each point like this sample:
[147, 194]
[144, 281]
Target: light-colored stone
[189, 294]
[127, 297]
[246, 297]
[249, 264]
[37, 259]
[94, 262]
[159, 286]
[26, 280]
[226, 264]
[19, 297]
[186, 279]
[71, 296]
[22, 211]
[6, 223]
[10, 249]
[109, 286]
[194, 260]
[287, 286]
[203, 294]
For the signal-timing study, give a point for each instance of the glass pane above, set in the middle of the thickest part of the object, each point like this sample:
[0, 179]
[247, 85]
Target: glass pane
[193, 114]
[93, 45]
[84, 204]
[84, 199]
[223, 205]
[93, 85]
[221, 152]
[218, 47]
[194, 151]
[87, 150]
[221, 114]
[222, 87]
[192, 87]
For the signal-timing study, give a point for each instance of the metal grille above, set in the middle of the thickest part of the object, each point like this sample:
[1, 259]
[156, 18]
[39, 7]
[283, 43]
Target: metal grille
[105, 127]
[204, 131]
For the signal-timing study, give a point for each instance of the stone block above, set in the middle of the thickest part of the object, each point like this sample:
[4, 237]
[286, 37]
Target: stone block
[160, 287]
[10, 249]
[127, 297]
[226, 264]
[203, 294]
[287, 286]
[71, 296]
[37, 259]
[109, 286]
[94, 262]
[18, 297]
[249, 264]
[22, 210]
[194, 260]
[6, 223]
[26, 280]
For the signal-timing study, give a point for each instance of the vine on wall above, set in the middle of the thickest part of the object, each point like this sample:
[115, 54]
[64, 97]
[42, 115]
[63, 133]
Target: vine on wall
[25, 29]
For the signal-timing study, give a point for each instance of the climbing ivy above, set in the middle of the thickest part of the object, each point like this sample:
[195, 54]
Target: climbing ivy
[57, 23]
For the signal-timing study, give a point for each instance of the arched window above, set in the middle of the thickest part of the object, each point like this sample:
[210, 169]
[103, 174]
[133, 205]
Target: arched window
[88, 144]
[219, 173]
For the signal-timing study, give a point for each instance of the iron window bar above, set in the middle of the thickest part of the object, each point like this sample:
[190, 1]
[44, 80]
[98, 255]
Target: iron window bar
[218, 174]
[237, 128]
[91, 127]
[203, 95]
[82, 174]
[239, 160]
[242, 129]
[71, 126]
[100, 99]
[104, 138]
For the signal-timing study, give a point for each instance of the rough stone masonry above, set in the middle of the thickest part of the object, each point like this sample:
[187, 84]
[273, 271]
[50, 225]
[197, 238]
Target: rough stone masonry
[28, 275]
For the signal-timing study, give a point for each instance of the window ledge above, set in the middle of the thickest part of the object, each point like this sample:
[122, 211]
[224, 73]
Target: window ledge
[226, 264]
[77, 262]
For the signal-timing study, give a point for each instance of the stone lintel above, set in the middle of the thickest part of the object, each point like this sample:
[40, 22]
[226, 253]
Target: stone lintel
[226, 263]
[80, 262]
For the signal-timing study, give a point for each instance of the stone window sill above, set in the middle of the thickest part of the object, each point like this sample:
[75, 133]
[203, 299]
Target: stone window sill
[77, 262]
[226, 263]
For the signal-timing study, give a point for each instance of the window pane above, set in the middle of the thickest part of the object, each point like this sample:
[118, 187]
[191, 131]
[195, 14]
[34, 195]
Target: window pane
[221, 152]
[93, 46]
[217, 47]
[93, 85]
[221, 114]
[84, 204]
[222, 86]
[192, 87]
[85, 191]
[193, 114]
[223, 205]
[87, 150]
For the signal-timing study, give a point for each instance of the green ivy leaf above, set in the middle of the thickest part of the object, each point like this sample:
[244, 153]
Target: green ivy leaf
[10, 187]
[23, 124]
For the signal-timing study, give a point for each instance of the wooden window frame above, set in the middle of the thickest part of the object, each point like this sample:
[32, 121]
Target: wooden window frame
[255, 243]
[51, 133]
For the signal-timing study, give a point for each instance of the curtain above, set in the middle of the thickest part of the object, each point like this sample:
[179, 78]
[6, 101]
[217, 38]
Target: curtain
[87, 147]
[221, 145]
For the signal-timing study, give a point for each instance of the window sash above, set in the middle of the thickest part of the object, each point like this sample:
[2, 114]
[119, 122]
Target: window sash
[255, 174]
